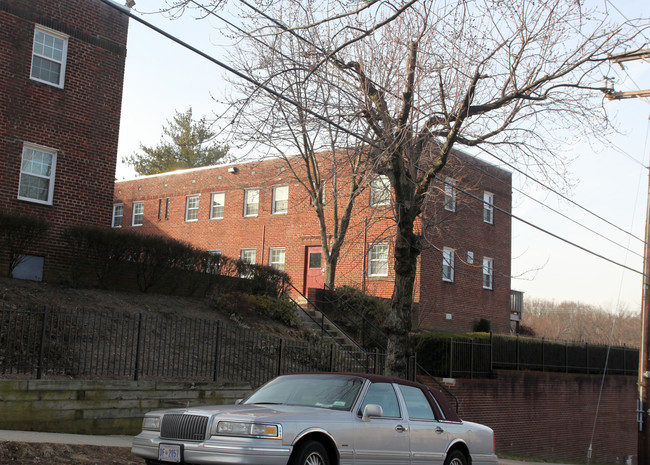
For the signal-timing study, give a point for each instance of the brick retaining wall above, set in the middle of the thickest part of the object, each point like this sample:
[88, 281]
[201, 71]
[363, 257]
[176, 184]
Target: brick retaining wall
[100, 407]
[551, 415]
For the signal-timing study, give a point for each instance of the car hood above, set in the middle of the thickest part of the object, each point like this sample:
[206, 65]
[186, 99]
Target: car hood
[258, 412]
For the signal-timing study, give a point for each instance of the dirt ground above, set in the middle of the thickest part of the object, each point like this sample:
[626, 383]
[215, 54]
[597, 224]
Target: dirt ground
[61, 454]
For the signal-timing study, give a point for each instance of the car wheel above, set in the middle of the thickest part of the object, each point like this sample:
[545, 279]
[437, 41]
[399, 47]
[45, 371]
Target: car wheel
[311, 453]
[456, 457]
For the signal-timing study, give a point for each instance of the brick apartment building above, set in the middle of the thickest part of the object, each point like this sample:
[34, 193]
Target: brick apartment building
[258, 212]
[61, 77]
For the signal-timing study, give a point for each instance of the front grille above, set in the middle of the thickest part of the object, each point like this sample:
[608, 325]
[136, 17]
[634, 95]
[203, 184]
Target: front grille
[184, 427]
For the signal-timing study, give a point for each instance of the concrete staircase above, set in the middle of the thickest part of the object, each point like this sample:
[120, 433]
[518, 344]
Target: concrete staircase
[317, 322]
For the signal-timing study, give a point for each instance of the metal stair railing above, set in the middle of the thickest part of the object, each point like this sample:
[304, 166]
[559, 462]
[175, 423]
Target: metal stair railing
[324, 319]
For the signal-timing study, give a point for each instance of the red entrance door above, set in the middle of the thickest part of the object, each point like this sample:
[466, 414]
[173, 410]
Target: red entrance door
[314, 268]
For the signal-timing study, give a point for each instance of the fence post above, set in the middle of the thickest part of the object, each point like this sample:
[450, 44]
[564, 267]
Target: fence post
[566, 356]
[280, 356]
[517, 352]
[137, 348]
[543, 358]
[491, 354]
[217, 345]
[451, 357]
[587, 356]
[471, 358]
[331, 358]
[41, 352]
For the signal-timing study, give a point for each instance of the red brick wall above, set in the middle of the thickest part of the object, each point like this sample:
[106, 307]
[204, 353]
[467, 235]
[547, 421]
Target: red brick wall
[81, 121]
[552, 415]
[299, 229]
[465, 231]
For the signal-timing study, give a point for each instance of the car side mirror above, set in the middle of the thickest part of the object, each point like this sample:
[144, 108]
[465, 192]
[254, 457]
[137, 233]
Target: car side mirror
[239, 401]
[372, 410]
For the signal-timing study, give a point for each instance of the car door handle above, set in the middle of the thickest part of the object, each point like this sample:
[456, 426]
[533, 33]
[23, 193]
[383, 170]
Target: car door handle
[439, 430]
[400, 429]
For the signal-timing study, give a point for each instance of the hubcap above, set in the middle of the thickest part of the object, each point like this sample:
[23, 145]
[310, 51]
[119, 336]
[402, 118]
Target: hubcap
[315, 459]
[456, 461]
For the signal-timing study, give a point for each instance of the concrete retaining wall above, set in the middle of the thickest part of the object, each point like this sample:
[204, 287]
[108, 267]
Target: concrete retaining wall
[100, 407]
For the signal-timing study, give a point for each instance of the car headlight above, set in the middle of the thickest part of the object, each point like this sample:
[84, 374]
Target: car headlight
[151, 423]
[255, 430]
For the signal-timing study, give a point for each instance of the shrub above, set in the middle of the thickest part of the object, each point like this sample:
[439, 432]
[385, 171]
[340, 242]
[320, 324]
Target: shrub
[18, 234]
[483, 326]
[361, 315]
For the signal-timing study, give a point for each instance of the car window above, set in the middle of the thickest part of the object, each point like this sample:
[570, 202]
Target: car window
[382, 394]
[333, 392]
[417, 404]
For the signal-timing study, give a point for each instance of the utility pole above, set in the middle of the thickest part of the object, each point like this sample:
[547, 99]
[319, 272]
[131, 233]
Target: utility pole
[643, 401]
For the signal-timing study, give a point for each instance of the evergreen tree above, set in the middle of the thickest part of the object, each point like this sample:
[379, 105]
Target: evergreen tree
[186, 143]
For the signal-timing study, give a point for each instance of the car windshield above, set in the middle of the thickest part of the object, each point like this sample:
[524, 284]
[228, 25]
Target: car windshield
[326, 391]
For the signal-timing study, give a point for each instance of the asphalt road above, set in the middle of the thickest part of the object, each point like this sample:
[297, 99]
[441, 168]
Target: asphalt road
[119, 441]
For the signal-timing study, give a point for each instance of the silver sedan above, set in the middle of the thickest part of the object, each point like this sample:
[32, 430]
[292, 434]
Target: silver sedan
[320, 419]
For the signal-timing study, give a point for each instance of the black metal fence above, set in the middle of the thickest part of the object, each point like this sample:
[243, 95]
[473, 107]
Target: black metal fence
[145, 347]
[458, 357]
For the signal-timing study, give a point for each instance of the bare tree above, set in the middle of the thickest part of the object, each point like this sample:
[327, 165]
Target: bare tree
[331, 164]
[519, 77]
[579, 322]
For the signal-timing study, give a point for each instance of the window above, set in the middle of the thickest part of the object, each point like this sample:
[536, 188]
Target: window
[417, 405]
[450, 195]
[248, 256]
[218, 204]
[488, 273]
[118, 213]
[280, 200]
[251, 202]
[379, 191]
[138, 214]
[49, 56]
[192, 208]
[160, 208]
[448, 265]
[37, 174]
[488, 207]
[383, 394]
[378, 260]
[276, 258]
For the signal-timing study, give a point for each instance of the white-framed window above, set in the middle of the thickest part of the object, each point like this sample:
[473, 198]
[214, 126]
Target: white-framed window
[448, 264]
[378, 260]
[49, 54]
[280, 200]
[450, 194]
[488, 273]
[138, 214]
[192, 208]
[379, 190]
[488, 207]
[276, 257]
[118, 214]
[251, 202]
[37, 170]
[248, 256]
[218, 205]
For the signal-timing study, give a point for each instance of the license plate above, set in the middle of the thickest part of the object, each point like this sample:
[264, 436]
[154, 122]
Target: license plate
[170, 453]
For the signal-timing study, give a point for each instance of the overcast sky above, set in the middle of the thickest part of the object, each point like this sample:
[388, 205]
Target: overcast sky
[162, 77]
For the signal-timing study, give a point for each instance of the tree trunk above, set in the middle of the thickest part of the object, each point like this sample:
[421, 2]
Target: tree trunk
[330, 272]
[398, 324]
